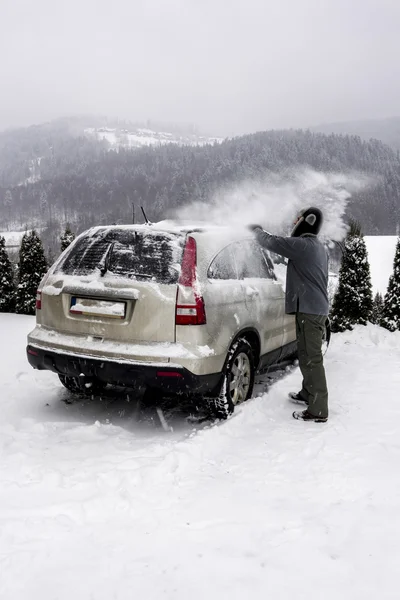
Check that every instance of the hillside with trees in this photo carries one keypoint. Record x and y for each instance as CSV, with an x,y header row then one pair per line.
x,y
82,181
385,130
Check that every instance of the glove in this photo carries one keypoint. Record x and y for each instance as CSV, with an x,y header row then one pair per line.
x,y
253,227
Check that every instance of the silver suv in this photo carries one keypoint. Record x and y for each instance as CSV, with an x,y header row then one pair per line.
x,y
173,308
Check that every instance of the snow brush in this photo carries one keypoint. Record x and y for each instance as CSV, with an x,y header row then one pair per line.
x,y
328,333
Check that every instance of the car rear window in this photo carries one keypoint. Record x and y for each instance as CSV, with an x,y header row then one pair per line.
x,y
144,255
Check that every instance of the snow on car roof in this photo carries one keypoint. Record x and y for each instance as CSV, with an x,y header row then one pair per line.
x,y
188,226
169,226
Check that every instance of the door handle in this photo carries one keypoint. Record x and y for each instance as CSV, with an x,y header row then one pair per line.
x,y
251,292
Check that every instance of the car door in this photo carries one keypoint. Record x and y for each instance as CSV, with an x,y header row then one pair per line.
x,y
289,322
225,299
264,296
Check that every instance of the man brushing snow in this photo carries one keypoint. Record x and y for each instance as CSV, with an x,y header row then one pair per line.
x,y
307,298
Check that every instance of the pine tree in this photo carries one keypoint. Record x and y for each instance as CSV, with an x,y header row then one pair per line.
x,y
31,268
377,309
67,238
352,303
7,287
391,304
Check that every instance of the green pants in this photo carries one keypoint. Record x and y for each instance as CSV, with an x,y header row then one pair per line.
x,y
310,330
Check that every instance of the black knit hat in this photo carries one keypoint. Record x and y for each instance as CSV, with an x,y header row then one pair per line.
x,y
309,221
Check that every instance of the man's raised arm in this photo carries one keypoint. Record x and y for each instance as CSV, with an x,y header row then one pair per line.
x,y
290,247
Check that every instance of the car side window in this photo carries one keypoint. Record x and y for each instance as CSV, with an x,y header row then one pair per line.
x,y
270,261
252,262
223,265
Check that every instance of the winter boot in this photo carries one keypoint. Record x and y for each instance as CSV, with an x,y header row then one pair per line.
x,y
306,416
297,398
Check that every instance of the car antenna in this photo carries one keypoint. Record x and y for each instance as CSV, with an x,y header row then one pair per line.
x,y
145,218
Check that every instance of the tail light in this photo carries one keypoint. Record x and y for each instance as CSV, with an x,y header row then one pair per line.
x,y
169,374
32,351
190,308
38,300
39,291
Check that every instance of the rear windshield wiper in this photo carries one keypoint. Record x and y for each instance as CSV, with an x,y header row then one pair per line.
x,y
105,263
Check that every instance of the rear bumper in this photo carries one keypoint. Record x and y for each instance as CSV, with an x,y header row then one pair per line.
x,y
167,378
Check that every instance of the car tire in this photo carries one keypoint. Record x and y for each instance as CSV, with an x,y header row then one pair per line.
x,y
75,385
238,380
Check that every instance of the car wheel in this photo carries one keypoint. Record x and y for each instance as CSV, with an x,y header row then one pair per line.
x,y
76,386
238,381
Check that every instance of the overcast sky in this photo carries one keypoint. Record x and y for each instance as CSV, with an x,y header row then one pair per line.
x,y
230,66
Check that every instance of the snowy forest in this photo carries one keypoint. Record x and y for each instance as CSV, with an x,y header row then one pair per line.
x,y
53,174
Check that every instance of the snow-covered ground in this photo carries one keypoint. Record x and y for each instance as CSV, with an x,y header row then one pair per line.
x,y
381,249
13,239
140,137
95,504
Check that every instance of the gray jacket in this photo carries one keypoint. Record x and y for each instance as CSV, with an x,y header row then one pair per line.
x,y
307,271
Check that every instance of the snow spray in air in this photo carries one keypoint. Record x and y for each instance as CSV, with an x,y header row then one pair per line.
x,y
274,201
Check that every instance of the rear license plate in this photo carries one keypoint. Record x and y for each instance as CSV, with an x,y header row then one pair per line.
x,y
92,307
